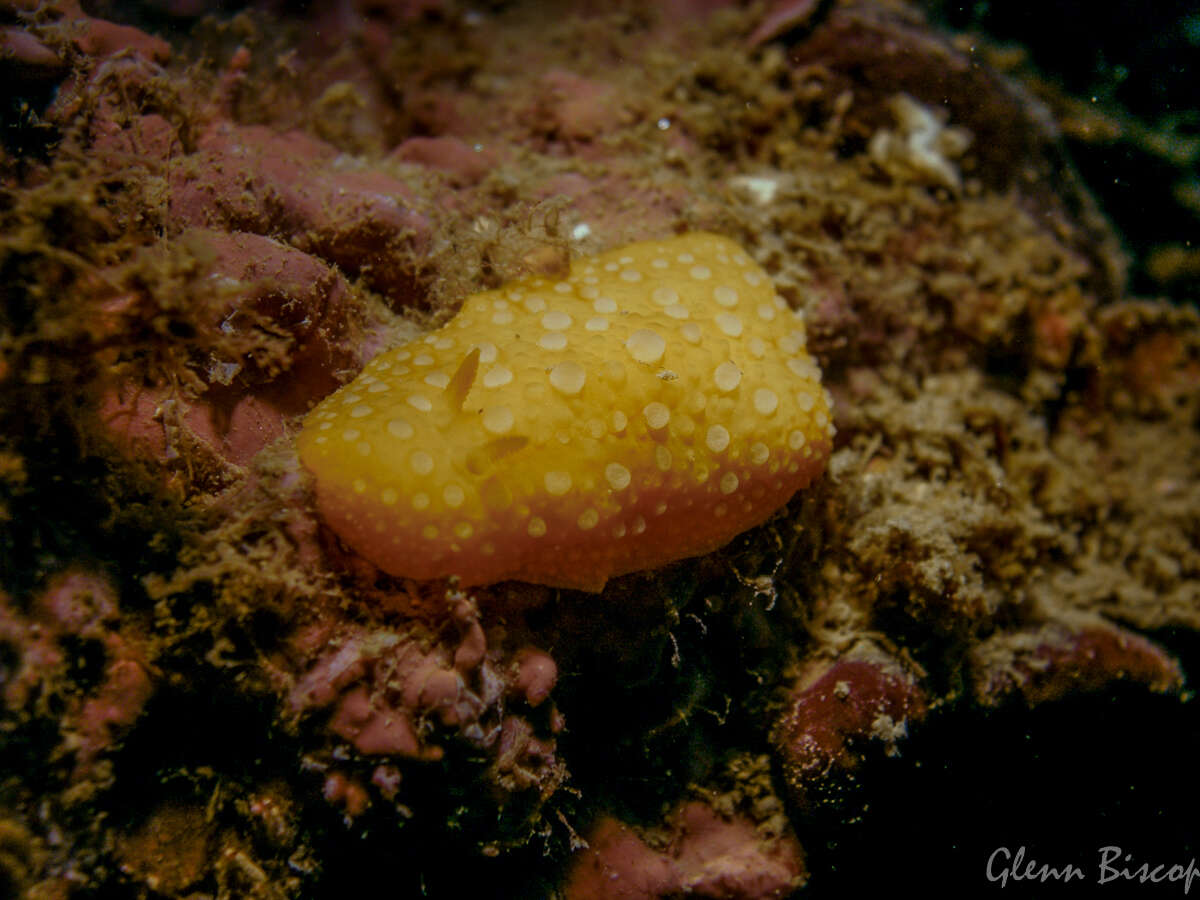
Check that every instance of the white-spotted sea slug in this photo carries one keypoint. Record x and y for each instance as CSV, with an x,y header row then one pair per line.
x,y
650,406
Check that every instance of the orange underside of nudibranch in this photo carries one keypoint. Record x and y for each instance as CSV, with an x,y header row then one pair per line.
x,y
648,407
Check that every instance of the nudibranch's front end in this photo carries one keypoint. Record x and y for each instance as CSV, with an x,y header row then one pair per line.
x,y
648,407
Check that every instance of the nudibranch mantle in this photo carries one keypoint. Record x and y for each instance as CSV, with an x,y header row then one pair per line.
x,y
650,406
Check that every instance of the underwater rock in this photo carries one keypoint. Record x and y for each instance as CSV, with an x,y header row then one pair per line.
x,y
1045,664
401,695
702,854
250,178
268,333
465,165
75,620
835,708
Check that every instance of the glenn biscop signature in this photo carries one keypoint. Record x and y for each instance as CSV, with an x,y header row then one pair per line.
x,y
1113,866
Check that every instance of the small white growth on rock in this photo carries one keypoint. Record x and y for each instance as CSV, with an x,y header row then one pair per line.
x,y
758,189
923,149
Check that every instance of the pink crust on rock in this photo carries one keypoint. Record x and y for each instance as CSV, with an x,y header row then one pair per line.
x,y
99,38
250,178
394,693
383,730
781,17
460,161
536,675
707,856
1054,661
81,605
248,396
837,705
347,793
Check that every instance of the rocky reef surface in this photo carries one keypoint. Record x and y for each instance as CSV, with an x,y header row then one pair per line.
x,y
973,630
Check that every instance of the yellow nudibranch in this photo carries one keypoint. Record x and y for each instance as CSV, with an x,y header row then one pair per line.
x,y
649,406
